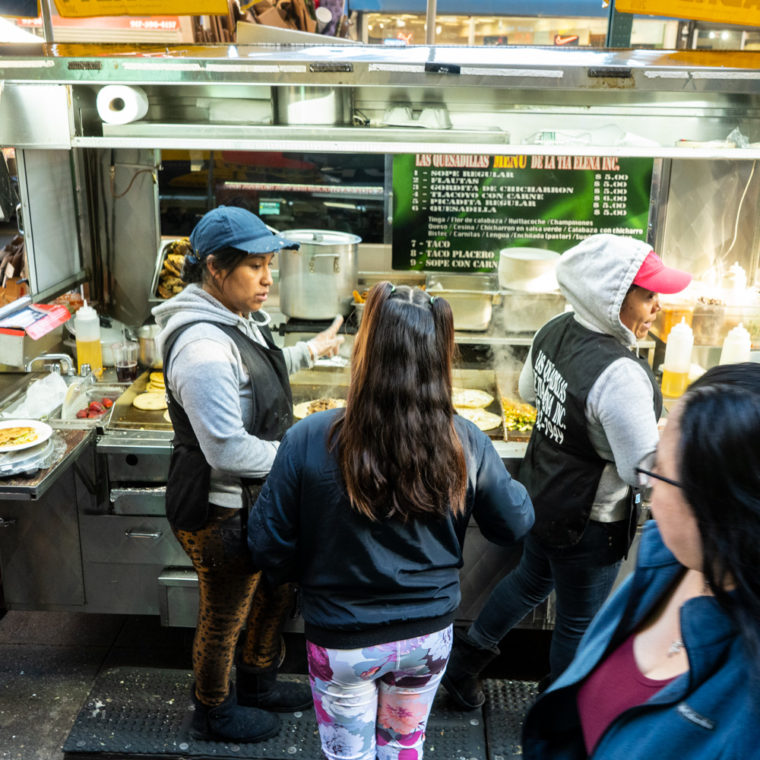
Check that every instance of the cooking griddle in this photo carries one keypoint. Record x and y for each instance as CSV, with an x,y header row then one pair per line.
x,y
483,380
124,416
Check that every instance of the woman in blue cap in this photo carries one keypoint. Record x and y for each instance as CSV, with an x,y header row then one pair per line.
x,y
230,404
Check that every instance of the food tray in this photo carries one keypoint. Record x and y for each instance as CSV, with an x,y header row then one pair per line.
x,y
507,388
163,249
124,416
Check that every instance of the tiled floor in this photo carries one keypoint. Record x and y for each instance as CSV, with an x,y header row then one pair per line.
x,y
49,660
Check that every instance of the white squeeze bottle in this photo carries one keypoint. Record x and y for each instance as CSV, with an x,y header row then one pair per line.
x,y
675,372
736,346
87,328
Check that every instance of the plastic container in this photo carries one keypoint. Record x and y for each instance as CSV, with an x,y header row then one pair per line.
x,y
471,297
670,314
736,347
89,350
675,373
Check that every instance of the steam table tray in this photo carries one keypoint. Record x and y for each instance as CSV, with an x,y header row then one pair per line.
x,y
125,416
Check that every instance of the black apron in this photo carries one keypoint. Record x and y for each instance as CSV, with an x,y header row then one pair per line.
x,y
187,487
561,469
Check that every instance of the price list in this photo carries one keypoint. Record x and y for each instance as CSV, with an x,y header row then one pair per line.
x,y
455,212
611,195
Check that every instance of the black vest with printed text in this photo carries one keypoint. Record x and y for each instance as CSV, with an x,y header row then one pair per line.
x,y
561,469
187,487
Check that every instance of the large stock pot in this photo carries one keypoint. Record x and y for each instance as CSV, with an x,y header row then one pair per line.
x,y
317,281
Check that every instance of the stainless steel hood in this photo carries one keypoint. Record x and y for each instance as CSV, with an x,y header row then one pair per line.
x,y
495,98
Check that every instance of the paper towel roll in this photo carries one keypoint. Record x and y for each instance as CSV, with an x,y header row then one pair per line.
x,y
121,104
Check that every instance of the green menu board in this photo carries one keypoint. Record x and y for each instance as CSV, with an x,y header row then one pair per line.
x,y
455,212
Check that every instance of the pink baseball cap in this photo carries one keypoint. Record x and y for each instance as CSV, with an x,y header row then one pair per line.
x,y
655,276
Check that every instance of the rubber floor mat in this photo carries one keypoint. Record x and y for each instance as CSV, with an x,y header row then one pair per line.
x,y
146,712
507,702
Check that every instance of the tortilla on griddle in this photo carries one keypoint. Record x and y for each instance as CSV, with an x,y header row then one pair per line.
x,y
483,419
150,402
470,398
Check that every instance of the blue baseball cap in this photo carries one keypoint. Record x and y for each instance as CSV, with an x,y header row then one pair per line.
x,y
234,227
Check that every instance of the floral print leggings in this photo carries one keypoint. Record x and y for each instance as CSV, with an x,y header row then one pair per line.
x,y
373,703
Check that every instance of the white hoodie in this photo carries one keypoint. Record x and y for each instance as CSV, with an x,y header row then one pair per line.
x,y
595,276
208,378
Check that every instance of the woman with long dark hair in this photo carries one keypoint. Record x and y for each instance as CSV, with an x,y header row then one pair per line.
x,y
671,665
366,507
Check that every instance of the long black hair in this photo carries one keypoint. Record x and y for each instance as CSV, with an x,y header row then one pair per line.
x,y
719,469
399,453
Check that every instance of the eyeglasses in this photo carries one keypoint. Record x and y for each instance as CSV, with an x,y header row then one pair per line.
x,y
646,474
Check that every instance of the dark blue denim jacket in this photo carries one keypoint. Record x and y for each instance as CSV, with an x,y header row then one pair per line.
x,y
711,712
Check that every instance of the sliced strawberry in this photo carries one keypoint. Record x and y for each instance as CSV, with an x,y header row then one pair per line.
x,y
107,403
82,413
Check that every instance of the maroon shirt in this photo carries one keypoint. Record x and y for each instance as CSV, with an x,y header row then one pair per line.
x,y
613,687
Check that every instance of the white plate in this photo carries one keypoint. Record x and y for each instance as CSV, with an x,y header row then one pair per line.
x,y
43,430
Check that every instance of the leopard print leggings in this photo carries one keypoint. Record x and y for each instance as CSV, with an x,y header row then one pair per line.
x,y
231,596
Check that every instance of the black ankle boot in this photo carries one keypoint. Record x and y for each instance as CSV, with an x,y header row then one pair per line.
x,y
462,677
259,687
230,722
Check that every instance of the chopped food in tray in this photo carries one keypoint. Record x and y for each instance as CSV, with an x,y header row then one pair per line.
x,y
95,409
305,408
517,415
169,281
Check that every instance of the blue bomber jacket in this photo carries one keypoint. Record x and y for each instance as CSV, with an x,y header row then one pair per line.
x,y
365,583
712,712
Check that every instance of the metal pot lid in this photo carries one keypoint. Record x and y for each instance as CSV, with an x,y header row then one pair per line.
x,y
321,237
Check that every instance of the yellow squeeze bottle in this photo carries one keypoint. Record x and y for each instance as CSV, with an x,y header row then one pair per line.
x,y
87,328
675,372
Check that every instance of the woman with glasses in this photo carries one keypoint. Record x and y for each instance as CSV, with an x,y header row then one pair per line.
x,y
670,667
597,404
367,507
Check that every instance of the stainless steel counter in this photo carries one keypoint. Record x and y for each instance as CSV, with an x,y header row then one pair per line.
x,y
34,486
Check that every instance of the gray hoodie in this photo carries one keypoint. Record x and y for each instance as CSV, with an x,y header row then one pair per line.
x,y
595,276
208,378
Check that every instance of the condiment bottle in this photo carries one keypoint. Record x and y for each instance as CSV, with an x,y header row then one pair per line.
x,y
87,328
675,373
736,346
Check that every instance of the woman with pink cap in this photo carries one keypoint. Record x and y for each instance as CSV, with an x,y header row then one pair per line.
x,y
597,408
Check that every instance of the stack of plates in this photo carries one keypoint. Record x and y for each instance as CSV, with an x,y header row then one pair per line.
x,y
26,457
